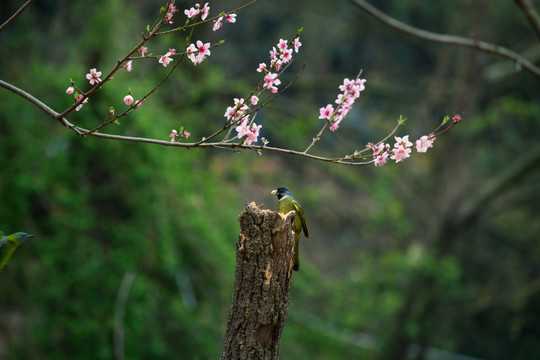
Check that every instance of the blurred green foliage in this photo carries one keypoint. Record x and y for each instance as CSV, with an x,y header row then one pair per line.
x,y
404,261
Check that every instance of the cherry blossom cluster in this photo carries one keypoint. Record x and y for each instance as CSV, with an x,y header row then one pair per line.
x,y
350,92
196,52
196,10
278,57
402,148
93,77
199,51
249,131
171,9
237,114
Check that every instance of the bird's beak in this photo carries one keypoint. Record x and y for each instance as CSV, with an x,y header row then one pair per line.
x,y
274,192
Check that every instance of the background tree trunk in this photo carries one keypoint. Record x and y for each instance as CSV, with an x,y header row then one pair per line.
x,y
260,302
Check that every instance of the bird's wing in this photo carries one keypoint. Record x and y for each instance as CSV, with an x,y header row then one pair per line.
x,y
300,212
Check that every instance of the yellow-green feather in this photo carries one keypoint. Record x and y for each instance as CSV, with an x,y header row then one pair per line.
x,y
300,223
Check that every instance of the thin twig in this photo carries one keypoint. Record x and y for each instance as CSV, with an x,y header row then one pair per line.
x,y
16,15
232,124
449,39
187,26
328,121
117,67
531,15
346,160
131,108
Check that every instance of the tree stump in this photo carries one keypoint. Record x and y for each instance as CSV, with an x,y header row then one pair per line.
x,y
264,260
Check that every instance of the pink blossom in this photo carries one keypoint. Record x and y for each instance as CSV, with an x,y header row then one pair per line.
x,y
243,129
230,18
191,13
128,99
78,97
204,49
217,23
297,44
205,11
341,99
377,149
381,159
273,53
402,141
253,134
127,66
254,100
423,144
173,135
276,64
262,67
271,81
165,59
361,83
326,112
241,104
400,153
282,45
172,51
350,92
231,112
94,76
198,53
143,50
347,85
457,118
286,55
138,103
170,12
111,112
236,111
186,134
334,126
70,90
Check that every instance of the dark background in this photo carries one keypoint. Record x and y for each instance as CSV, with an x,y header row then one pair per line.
x,y
432,258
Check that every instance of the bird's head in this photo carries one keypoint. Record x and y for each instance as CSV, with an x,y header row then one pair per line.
x,y
19,237
282,192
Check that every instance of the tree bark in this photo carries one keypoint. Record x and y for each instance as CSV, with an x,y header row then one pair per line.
x,y
264,259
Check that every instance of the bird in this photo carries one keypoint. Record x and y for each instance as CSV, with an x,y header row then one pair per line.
x,y
8,245
286,203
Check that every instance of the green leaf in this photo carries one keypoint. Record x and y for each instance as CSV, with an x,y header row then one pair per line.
x,y
401,119
445,120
